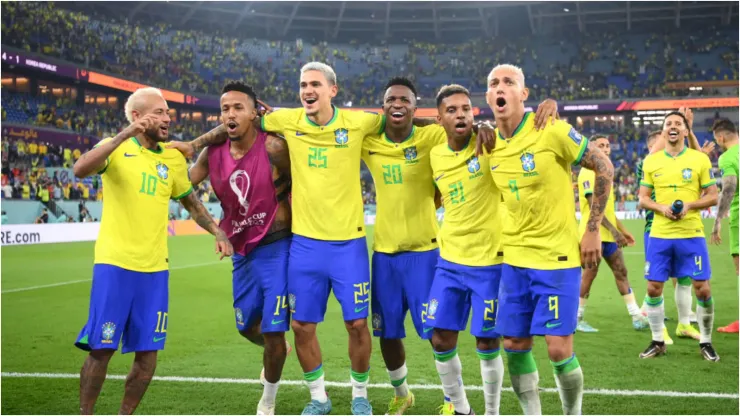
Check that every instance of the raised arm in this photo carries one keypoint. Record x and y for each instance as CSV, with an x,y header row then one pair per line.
x,y
199,171
201,216
95,160
188,149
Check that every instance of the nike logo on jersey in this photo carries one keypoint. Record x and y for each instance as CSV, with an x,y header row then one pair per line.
x,y
298,133
658,174
358,310
371,152
274,322
155,339
439,177
550,325
494,167
128,155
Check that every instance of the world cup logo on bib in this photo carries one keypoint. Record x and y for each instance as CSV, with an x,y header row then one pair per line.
x,y
239,181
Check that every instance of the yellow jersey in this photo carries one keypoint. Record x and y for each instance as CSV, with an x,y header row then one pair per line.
x,y
406,218
586,179
138,185
471,231
682,177
532,169
325,167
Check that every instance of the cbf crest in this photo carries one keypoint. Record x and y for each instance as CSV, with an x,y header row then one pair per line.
x,y
239,316
410,154
528,165
433,304
474,167
376,321
341,137
109,330
686,174
162,171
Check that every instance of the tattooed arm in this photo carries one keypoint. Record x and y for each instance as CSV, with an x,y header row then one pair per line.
x,y
203,218
595,160
729,185
199,171
189,149
277,151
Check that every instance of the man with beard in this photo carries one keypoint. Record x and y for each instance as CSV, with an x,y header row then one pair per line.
x,y
540,279
683,185
250,174
469,267
130,294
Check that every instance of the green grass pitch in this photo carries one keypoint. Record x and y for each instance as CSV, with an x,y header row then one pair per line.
x,y
208,368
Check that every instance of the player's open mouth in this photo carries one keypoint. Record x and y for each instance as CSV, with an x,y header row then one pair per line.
x,y
231,126
500,104
461,127
673,133
397,115
311,100
164,130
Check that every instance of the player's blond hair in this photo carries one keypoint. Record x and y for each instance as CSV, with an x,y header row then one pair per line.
x,y
136,100
518,71
329,74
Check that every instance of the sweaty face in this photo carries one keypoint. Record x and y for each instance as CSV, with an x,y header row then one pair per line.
x,y
237,113
316,92
506,94
154,104
399,106
456,116
675,128
604,145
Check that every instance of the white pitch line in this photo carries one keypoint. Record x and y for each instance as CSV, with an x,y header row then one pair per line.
x,y
71,282
599,392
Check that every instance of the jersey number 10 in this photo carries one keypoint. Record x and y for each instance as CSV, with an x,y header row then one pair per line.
x,y
148,184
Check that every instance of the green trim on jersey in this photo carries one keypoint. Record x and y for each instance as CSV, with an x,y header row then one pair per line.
x,y
333,118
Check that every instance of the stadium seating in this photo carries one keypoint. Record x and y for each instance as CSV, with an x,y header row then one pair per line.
x,y
595,66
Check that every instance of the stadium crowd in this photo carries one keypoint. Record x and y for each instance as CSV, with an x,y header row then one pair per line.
x,y
600,65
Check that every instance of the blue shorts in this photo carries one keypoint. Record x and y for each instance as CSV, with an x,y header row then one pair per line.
x,y
127,304
680,257
260,284
401,282
607,249
455,289
538,302
316,267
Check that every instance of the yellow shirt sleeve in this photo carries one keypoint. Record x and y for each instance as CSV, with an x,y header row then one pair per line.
x,y
706,177
110,158
181,177
370,123
567,143
277,121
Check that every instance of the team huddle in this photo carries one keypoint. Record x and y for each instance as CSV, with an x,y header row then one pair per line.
x,y
509,248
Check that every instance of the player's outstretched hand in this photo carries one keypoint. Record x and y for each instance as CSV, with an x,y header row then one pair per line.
x,y
486,138
708,147
143,124
590,249
547,110
186,148
267,108
689,116
223,246
716,238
